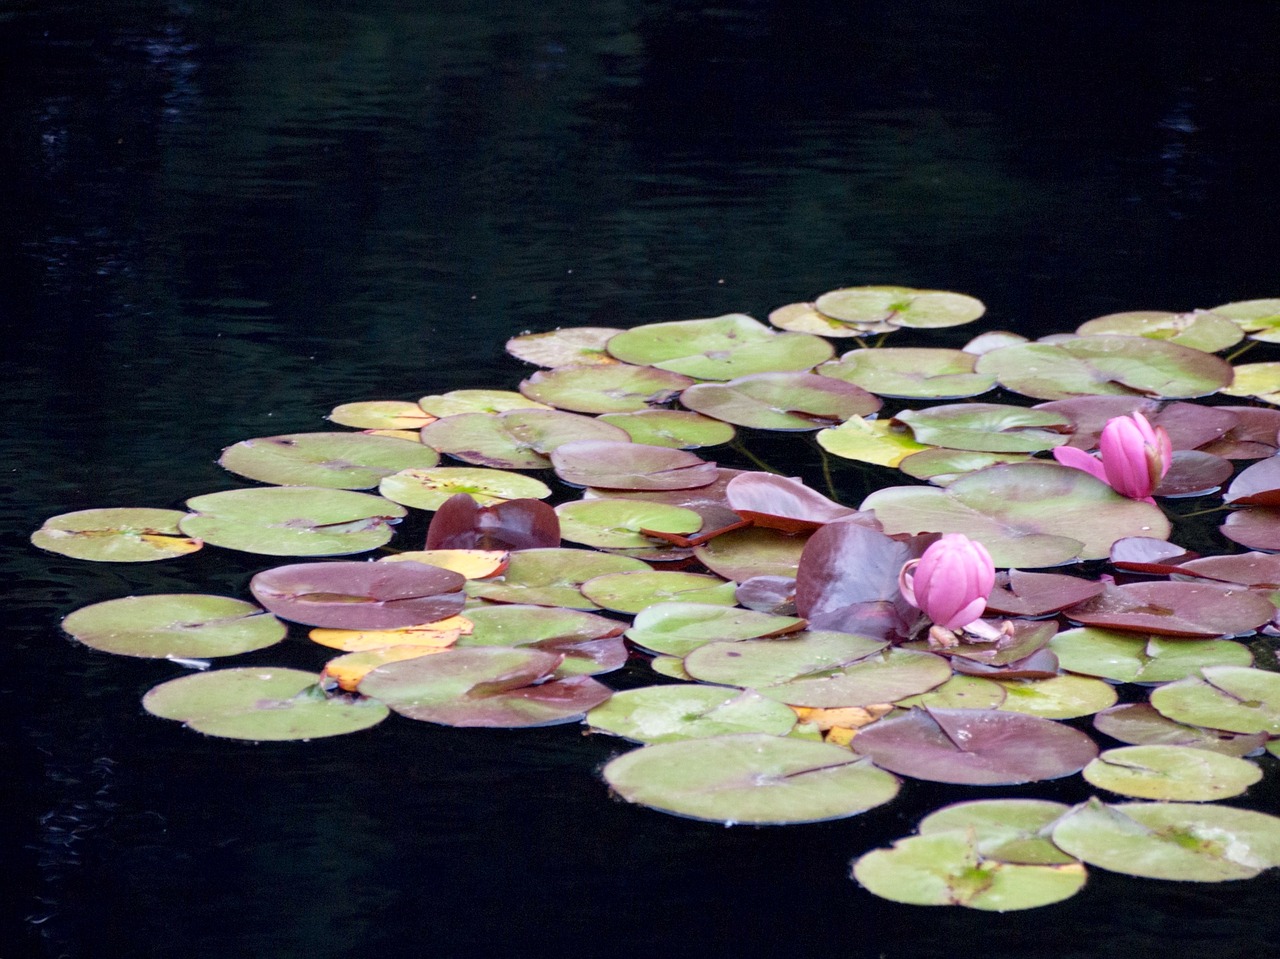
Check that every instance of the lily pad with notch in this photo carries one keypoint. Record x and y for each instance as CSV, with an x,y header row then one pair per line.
x,y
116,535
174,625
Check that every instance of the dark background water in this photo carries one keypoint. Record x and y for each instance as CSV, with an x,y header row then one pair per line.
x,y
220,219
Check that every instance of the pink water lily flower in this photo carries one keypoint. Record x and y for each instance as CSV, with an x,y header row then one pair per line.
x,y
1133,456
950,582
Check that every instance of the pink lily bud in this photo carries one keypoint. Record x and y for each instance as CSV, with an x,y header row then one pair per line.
x,y
950,582
1135,456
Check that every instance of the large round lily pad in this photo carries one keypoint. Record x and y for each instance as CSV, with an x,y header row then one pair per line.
x,y
116,535
1200,329
975,747
329,460
360,595
750,778
484,686
617,523
946,869
1183,841
662,714
678,628
174,625
1058,697
911,372
747,553
1025,514
1177,773
1140,724
781,401
678,429
630,592
292,521
900,306
476,401
590,644
261,703
987,427
719,348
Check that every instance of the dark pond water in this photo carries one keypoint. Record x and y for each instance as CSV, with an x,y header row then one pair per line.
x,y
220,219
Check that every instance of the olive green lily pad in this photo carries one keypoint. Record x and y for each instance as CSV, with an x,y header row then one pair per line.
x,y
1260,318
672,667
1175,773
180,625
823,669
429,488
1200,329
662,714
945,869
1180,841
1027,515
1130,658
959,692
781,401
484,686
877,441
678,429
571,346
754,551
477,401
1141,725
116,535
381,415
1106,365
551,577
1238,699
630,592
1261,380
329,460
912,372
805,318
719,348
292,520
1008,830
942,467
590,644
261,703
678,628
616,523
900,306
516,439
750,778
987,427
611,388
1062,697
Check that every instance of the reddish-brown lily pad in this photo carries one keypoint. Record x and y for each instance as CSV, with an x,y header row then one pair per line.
x,y
1036,594
354,595
1196,610
780,502
630,466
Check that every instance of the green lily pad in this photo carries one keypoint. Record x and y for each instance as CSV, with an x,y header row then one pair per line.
x,y
1062,697
1238,699
719,348
261,703
428,489
329,460
1008,830
754,551
381,415
292,520
1027,515
987,427
167,626
1200,329
662,714
672,667
1257,379
616,523
781,401
805,318
609,388
878,442
942,467
551,577
678,628
484,686
477,401
823,669
630,592
1106,365
677,429
1176,773
1181,841
571,346
116,535
900,306
1141,725
590,644
1130,658
1261,318
911,372
959,692
946,869
516,439
750,778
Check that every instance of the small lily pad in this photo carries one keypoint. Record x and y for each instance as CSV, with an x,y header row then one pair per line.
x,y
1062,697
175,625
571,346
329,460
116,535
900,306
1007,830
630,592
381,415
612,388
677,429
911,372
429,488
876,441
1177,773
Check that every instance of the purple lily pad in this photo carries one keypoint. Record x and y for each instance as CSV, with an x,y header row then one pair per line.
x,y
785,503
630,466
354,595
1257,527
462,523
768,594
1258,485
1142,554
1036,594
1194,473
975,747
1195,610
1248,569
746,553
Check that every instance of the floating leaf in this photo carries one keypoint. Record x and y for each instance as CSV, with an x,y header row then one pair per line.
x,y
517,439
360,595
959,692
616,388
477,401
347,670
1007,830
678,628
1035,594
748,553
661,714
571,346
328,460
471,563
900,306
805,318
1141,724
186,625
381,415
428,489
630,592
784,503
462,523
116,535
1239,699
943,467
911,373
750,778
1179,773
292,521
261,703
676,429
630,466
1196,609
590,644
1200,329
1143,658
876,442
617,523
551,577
975,747
781,401
987,427
1062,697
1261,380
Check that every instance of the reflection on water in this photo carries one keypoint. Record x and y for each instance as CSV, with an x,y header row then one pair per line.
x,y
225,218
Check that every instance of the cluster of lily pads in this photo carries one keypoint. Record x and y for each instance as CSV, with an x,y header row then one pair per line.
x,y
794,682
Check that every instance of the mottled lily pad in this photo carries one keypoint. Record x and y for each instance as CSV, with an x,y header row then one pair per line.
x,y
1176,773
552,577
329,460
911,372
987,427
617,523
571,346
750,778
1200,329
381,415
1141,725
747,553
677,429
941,467
805,318
428,489
781,401
630,592
878,442
1142,658
590,644
292,521
261,703
1061,697
661,714
614,388
516,439
1197,610
1008,830
1239,699
900,306
116,535
477,401
178,625
630,466
1261,380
